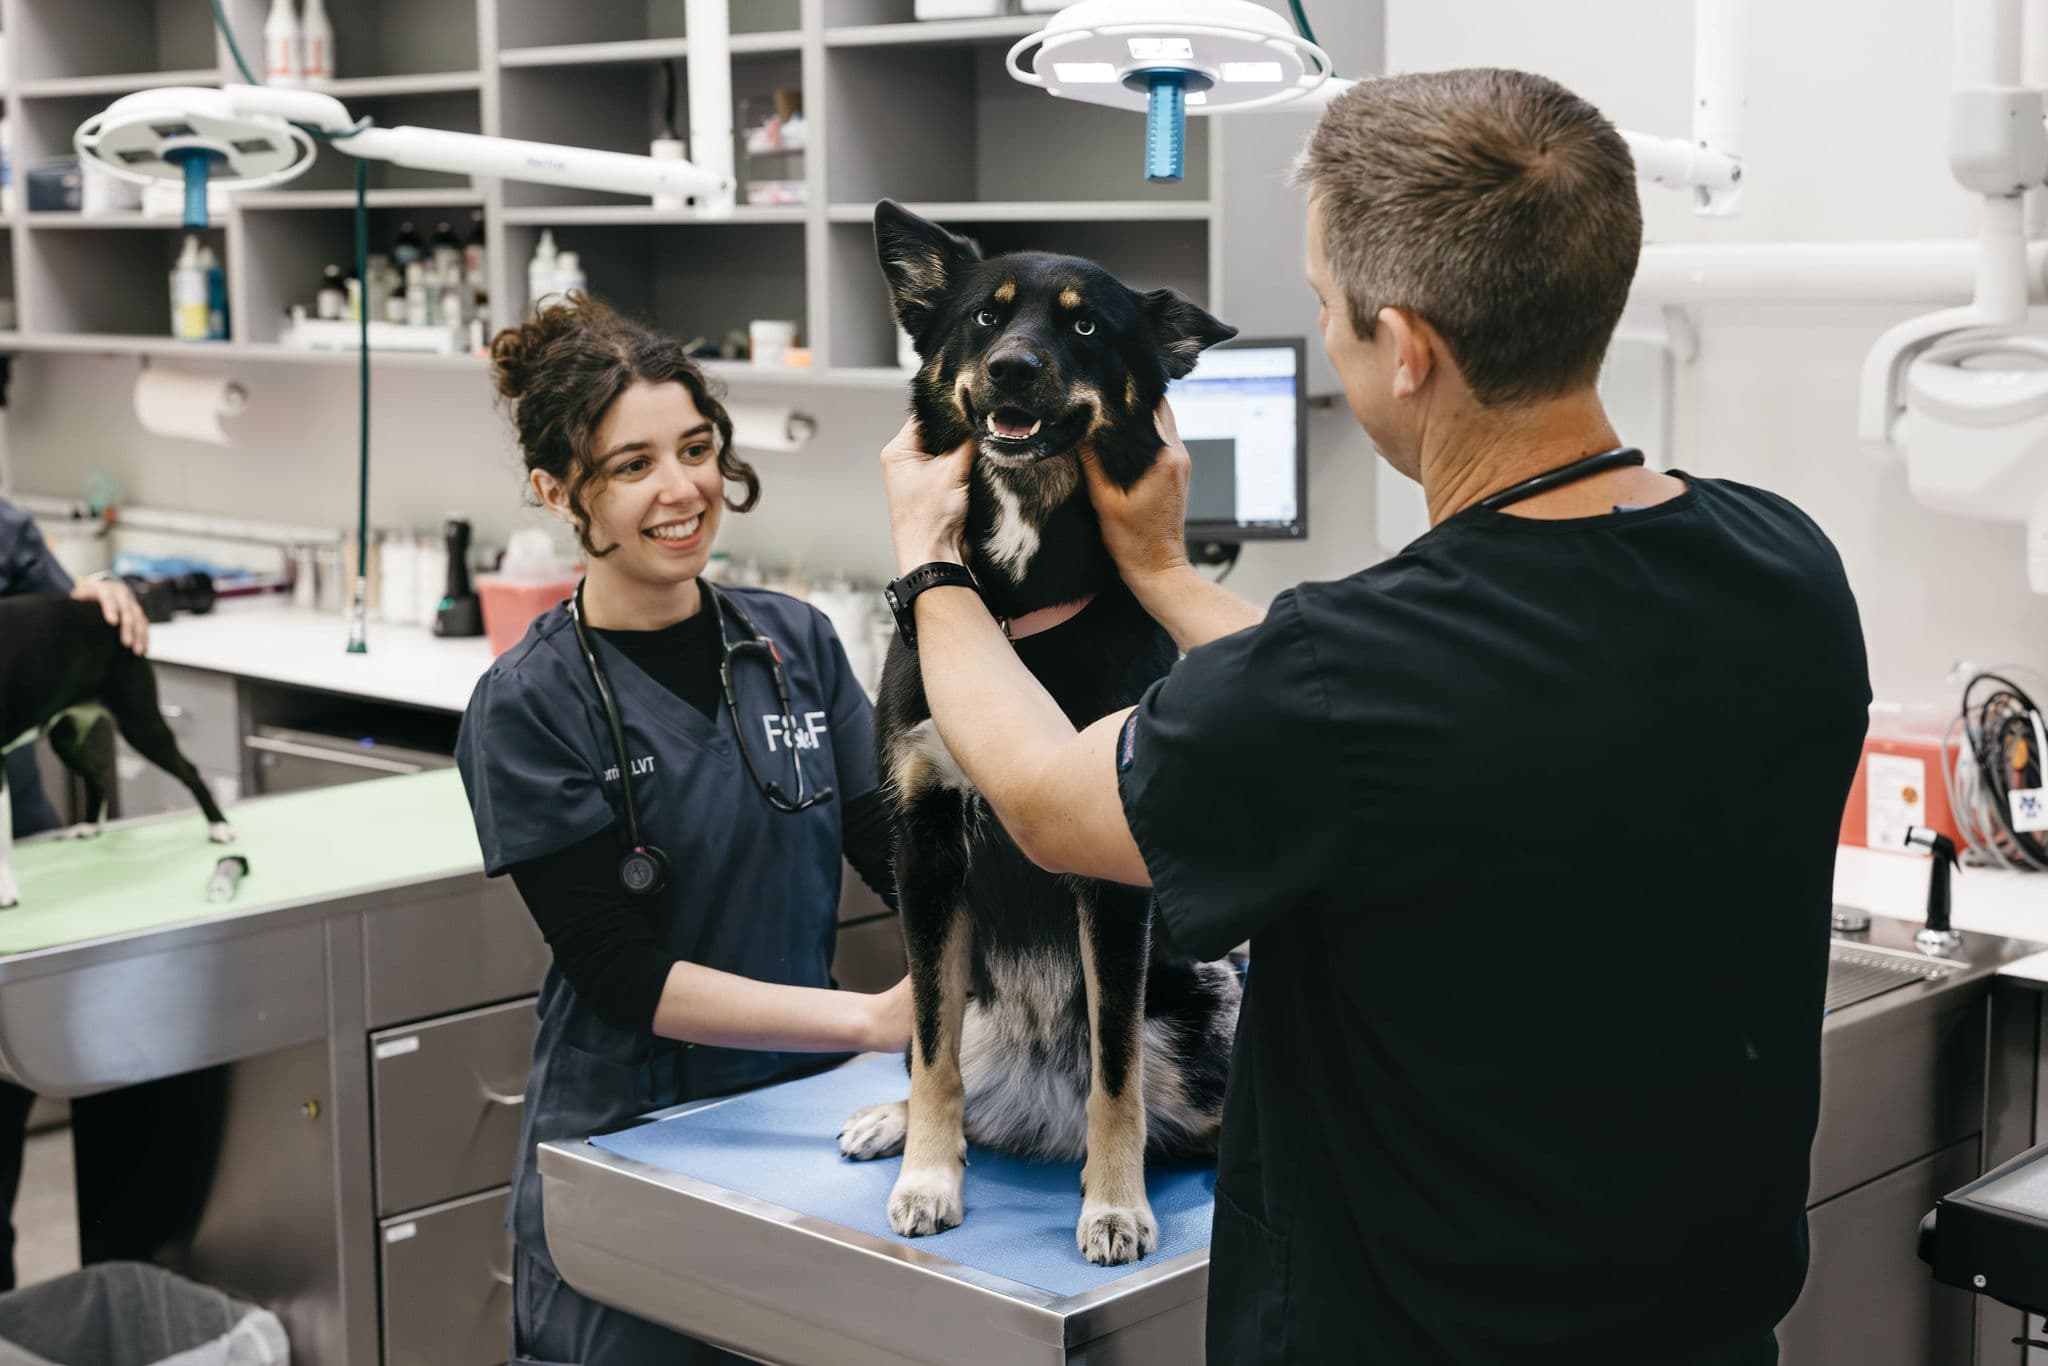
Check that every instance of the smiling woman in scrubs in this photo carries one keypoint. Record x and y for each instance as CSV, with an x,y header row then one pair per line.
x,y
717,978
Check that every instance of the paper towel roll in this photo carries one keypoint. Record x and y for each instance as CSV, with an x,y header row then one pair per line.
x,y
188,406
759,427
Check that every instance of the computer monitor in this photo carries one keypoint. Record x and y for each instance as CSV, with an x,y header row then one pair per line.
x,y
1243,415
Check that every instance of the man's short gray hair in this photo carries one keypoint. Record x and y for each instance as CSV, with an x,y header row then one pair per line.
x,y
1495,205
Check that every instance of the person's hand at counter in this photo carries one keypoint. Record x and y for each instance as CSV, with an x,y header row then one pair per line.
x,y
121,608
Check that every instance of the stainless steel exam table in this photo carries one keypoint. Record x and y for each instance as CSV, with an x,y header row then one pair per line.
x,y
737,1221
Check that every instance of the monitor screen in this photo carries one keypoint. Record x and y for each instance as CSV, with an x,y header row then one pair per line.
x,y
1242,413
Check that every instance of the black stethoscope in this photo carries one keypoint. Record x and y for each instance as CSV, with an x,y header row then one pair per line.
x,y
1583,468
643,869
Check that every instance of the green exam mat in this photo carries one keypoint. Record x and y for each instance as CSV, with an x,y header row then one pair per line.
x,y
303,846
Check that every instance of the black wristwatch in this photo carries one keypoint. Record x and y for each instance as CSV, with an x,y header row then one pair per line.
x,y
902,594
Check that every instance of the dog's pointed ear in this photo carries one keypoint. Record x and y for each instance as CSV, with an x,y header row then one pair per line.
x,y
920,260
1182,330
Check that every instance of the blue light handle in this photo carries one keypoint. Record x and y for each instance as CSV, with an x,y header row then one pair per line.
x,y
194,163
1166,127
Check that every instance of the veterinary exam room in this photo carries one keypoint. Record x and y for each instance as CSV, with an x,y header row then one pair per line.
x,y
1234,681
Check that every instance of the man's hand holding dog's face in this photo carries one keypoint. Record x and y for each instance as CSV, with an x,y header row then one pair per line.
x,y
121,608
1145,525
927,498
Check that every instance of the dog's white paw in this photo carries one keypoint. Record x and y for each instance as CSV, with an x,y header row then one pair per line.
x,y
1110,1235
925,1201
10,890
84,830
220,832
876,1131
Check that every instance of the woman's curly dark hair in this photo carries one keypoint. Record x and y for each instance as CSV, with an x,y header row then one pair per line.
x,y
559,374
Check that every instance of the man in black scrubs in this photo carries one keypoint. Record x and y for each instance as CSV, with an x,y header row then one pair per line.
x,y
1531,827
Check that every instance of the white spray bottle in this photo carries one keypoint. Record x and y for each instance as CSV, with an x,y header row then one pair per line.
x,y
284,60
316,42
540,271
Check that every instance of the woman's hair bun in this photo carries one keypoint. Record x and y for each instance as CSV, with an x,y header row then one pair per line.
x,y
517,352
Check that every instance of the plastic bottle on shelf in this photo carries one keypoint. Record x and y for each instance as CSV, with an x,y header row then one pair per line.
x,y
216,294
445,247
332,300
6,169
476,274
569,273
408,248
316,42
283,51
188,293
418,308
540,271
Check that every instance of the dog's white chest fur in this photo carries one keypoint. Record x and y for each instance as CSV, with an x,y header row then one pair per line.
x,y
1013,540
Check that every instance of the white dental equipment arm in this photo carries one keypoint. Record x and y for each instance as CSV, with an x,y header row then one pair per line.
x,y
1173,58
1998,148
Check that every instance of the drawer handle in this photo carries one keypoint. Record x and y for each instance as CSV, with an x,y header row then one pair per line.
x,y
501,1277
508,1099
341,757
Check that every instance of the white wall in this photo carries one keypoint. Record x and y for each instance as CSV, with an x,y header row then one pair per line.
x,y
1846,140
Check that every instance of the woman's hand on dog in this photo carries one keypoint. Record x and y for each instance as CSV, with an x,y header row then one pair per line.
x,y
889,1030
927,498
1145,525
121,608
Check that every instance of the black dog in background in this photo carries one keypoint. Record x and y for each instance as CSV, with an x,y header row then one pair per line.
x,y
64,672
1051,1018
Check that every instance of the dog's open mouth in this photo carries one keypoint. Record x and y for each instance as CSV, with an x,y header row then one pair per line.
x,y
1013,425
1011,434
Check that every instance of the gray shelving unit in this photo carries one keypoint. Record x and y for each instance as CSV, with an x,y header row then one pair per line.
x,y
918,111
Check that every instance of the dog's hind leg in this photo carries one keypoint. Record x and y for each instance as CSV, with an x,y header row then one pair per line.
x,y
72,738
931,866
130,694
1116,1217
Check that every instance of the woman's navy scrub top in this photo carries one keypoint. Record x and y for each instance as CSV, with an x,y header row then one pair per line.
x,y
751,890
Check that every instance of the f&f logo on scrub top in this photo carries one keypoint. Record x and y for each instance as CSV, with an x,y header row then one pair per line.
x,y
806,734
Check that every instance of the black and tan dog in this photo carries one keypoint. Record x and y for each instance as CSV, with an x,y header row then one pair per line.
x,y
1052,1017
65,673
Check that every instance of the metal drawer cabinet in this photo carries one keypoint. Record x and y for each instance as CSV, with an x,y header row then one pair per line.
x,y
447,1103
448,1284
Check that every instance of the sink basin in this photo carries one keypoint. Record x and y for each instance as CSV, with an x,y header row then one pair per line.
x,y
1858,973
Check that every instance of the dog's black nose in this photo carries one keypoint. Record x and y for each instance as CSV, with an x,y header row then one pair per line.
x,y
1015,367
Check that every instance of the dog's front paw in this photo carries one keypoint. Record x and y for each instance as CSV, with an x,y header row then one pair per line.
x,y
220,832
876,1131
1110,1235
84,830
925,1202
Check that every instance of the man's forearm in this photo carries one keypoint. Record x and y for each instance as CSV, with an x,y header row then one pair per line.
x,y
996,718
1194,609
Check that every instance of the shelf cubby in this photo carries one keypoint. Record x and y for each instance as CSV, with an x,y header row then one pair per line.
x,y
142,40
692,280
373,38
115,283
549,23
618,108
286,249
944,122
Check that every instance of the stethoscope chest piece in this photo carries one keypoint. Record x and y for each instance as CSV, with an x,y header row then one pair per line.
x,y
643,870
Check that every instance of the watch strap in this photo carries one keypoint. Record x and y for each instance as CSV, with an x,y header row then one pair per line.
x,y
902,594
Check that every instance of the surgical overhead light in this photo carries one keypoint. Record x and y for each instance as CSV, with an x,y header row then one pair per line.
x,y
1172,58
251,136
1163,56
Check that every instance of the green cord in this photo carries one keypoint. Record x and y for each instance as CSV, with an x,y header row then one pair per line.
x,y
1300,20
356,643
220,21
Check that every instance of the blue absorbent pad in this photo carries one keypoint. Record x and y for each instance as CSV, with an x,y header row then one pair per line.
x,y
780,1144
